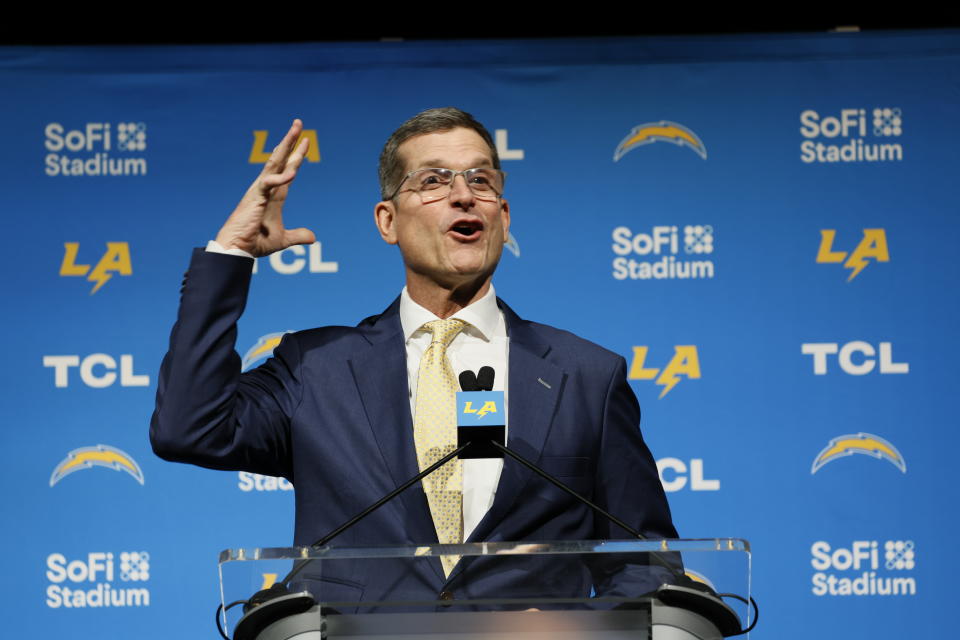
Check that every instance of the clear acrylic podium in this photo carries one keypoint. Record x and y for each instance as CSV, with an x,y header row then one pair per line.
x,y
499,591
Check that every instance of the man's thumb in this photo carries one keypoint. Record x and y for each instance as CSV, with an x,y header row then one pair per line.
x,y
299,236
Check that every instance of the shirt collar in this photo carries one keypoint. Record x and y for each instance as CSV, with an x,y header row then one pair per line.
x,y
482,316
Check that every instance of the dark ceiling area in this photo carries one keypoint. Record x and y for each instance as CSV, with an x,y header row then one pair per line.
x,y
159,30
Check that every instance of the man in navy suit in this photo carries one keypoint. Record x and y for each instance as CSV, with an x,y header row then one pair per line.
x,y
332,411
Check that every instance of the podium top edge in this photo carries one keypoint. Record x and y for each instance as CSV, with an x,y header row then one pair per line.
x,y
334,552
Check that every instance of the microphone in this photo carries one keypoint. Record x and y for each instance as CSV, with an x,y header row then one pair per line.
x,y
485,379
480,422
468,381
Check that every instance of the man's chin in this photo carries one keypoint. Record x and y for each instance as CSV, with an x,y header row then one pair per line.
x,y
469,269
471,263
469,276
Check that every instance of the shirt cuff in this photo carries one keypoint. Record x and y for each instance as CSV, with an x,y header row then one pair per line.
x,y
215,247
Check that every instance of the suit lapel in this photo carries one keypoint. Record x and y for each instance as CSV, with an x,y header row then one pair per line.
x,y
381,377
535,387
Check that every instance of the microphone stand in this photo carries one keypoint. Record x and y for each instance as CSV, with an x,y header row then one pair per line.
x,y
268,605
376,505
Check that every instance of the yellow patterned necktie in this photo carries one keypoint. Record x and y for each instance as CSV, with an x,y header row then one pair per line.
x,y
435,435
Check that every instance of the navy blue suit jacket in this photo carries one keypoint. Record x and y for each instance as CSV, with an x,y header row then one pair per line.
x,y
330,412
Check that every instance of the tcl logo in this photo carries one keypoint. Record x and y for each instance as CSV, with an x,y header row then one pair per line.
x,y
855,358
98,370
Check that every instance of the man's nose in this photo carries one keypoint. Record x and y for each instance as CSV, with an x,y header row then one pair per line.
x,y
460,193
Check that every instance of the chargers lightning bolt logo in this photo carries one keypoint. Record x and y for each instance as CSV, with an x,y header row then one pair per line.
x,y
862,443
512,245
98,456
663,131
263,349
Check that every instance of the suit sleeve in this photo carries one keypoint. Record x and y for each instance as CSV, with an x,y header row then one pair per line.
x,y
628,486
207,413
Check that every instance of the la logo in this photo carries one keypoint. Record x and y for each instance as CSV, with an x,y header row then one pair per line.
x,y
488,407
685,362
873,245
259,153
116,259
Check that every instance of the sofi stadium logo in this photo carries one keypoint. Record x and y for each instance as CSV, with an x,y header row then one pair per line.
x,y
95,149
98,580
254,482
851,135
664,252
864,568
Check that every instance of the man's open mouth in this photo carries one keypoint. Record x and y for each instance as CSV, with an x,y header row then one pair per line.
x,y
467,228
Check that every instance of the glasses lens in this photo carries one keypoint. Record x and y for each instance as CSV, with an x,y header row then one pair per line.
x,y
431,179
435,183
484,182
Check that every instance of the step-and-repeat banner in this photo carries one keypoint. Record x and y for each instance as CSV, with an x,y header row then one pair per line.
x,y
763,226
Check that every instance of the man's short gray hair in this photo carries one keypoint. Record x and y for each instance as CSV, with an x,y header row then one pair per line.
x,y
392,167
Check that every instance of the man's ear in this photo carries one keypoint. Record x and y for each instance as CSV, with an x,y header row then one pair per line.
x,y
385,217
505,219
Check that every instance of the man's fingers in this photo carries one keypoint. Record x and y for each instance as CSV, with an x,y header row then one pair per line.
x,y
278,159
299,236
296,158
276,180
271,180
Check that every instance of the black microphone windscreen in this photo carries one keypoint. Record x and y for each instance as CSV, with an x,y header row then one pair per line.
x,y
485,379
468,381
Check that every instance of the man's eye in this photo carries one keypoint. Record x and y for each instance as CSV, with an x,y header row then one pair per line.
x,y
432,181
482,181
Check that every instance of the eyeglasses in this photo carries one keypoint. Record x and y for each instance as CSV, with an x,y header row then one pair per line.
x,y
435,183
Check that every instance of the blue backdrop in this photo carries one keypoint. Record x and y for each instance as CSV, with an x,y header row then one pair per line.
x,y
753,222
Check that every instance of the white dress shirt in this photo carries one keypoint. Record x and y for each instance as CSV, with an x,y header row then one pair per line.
x,y
482,343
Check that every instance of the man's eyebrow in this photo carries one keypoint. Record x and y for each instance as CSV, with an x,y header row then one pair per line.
x,y
434,163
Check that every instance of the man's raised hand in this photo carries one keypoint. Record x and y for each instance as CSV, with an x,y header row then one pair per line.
x,y
256,225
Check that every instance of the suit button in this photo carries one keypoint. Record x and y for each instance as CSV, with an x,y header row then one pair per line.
x,y
446,595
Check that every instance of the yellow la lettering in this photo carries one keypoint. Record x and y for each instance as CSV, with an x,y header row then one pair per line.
x,y
488,407
826,252
637,371
873,245
684,362
116,258
259,154
468,407
69,267
313,151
